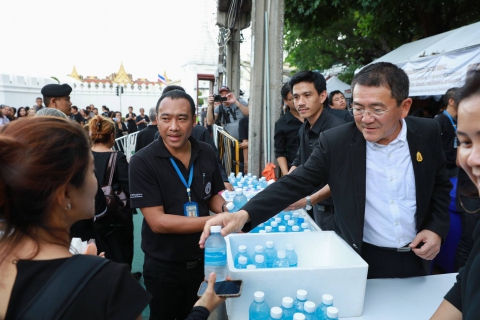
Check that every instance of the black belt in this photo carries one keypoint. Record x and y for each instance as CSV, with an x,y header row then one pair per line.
x,y
406,248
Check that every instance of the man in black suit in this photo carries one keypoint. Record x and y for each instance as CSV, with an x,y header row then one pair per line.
x,y
387,177
147,136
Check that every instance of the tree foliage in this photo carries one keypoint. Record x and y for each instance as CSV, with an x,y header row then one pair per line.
x,y
321,33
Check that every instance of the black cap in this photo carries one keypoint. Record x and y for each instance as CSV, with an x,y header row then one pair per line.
x,y
56,90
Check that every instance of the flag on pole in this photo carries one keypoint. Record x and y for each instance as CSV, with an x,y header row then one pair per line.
x,y
162,79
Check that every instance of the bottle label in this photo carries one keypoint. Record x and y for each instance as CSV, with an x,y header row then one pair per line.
x,y
215,256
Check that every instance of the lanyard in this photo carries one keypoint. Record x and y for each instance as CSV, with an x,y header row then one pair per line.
x,y
451,120
190,177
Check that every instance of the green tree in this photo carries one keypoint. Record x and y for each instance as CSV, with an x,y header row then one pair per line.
x,y
320,33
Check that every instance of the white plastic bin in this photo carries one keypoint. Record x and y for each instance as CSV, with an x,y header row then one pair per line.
x,y
326,264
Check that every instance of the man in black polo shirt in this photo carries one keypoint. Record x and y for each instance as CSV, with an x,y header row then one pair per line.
x,y
147,136
159,177
309,94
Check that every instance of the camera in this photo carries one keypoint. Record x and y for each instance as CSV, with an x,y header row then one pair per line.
x,y
219,98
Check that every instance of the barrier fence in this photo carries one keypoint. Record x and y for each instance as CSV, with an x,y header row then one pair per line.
x,y
126,144
228,148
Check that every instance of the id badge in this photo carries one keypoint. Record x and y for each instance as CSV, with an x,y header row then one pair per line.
x,y
190,209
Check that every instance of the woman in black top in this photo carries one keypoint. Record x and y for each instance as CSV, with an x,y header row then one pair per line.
x,y
116,239
120,127
48,182
462,301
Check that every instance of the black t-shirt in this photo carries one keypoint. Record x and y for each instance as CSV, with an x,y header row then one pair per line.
x,y
154,182
111,294
142,126
243,129
448,139
131,125
145,137
286,137
120,175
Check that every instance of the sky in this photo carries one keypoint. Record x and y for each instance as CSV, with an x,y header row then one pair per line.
x,y
49,37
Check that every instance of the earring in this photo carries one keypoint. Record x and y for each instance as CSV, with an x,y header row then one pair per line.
x,y
69,206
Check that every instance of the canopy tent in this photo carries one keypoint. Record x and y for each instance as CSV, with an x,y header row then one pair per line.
x,y
440,62
336,84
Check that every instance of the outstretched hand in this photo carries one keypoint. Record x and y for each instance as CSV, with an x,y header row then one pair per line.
x,y
210,300
230,222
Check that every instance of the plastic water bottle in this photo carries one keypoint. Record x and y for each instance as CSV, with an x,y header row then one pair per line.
x,y
241,263
281,261
276,313
255,181
286,218
268,229
242,252
239,200
290,224
259,309
300,301
288,309
258,228
304,224
270,253
309,310
327,301
251,267
260,261
295,229
282,229
249,174
291,255
216,254
295,216
278,220
298,316
231,207
300,221
258,251
232,180
332,313
274,226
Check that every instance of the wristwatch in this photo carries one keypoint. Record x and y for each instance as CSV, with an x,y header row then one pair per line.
x,y
309,203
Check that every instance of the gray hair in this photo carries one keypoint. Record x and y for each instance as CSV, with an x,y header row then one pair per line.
x,y
152,114
51,112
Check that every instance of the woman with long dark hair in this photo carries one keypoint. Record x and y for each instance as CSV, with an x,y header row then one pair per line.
x,y
21,112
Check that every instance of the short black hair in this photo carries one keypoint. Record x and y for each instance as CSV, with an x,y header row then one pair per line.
x,y
172,87
450,94
384,74
309,76
286,89
46,100
177,94
75,107
470,88
332,94
38,98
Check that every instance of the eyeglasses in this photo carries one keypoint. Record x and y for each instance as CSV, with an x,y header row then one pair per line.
x,y
376,113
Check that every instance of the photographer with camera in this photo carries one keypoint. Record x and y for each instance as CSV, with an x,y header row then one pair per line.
x,y
228,113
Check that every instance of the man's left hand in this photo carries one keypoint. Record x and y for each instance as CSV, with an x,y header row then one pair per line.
x,y
431,246
231,98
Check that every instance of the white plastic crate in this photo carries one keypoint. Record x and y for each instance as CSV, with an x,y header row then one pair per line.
x,y
326,264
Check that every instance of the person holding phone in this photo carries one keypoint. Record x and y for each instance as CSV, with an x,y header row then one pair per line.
x,y
131,118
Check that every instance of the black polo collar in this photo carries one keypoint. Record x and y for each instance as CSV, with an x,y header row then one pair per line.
x,y
318,125
290,117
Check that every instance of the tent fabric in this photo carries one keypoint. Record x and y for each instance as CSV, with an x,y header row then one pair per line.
x,y
440,62
336,84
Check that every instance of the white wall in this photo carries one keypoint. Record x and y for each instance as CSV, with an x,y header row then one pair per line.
x,y
21,91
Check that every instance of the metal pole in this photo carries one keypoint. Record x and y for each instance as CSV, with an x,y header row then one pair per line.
x,y
267,90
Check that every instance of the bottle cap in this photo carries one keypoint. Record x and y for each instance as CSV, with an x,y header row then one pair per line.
x,y
290,247
286,217
258,249
307,230
281,254
295,228
230,206
332,312
282,228
276,313
239,185
309,307
305,225
302,294
296,214
291,223
259,296
287,302
255,177
269,244
249,174
327,299
215,228
242,248
263,231
238,191
232,174
259,258
242,260
251,266
274,224
268,229
298,316
278,219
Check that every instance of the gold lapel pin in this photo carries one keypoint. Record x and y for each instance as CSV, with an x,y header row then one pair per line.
x,y
419,157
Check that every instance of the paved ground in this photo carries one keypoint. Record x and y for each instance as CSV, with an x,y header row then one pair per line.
x,y
138,259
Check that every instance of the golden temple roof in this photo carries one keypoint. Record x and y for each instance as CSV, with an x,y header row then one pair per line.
x,y
75,74
122,77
